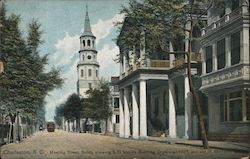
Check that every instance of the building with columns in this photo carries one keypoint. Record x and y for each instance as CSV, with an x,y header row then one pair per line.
x,y
225,70
154,91
87,66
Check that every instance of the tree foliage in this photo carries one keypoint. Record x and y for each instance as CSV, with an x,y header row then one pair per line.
x,y
97,106
162,21
28,82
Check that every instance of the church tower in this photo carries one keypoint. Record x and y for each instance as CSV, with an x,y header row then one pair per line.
x,y
87,66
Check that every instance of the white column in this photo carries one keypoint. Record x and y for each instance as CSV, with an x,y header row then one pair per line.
x,y
135,112
228,50
188,109
143,110
214,49
124,63
126,114
244,52
121,67
171,56
172,114
203,59
121,115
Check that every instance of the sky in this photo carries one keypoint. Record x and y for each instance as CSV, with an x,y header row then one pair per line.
x,y
62,23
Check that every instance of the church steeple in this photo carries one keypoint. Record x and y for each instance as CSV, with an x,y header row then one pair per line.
x,y
87,66
87,28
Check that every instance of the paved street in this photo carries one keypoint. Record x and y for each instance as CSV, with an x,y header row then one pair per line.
x,y
66,145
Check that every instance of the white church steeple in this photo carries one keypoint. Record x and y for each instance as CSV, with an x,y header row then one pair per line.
x,y
87,67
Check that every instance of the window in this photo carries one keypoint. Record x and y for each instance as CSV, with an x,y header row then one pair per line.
x,y
90,72
83,57
164,101
117,119
234,106
81,73
235,48
83,43
221,54
116,102
235,4
90,85
96,73
93,43
156,106
222,8
88,42
209,59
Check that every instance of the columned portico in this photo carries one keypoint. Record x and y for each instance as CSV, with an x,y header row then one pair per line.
x,y
143,110
135,111
188,109
121,115
126,114
172,113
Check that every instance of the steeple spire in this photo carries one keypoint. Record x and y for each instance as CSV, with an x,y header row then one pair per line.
x,y
87,28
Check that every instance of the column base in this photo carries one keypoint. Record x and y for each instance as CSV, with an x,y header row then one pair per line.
x,y
126,136
121,135
186,137
135,137
143,137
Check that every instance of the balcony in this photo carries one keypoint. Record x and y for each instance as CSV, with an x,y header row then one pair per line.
x,y
194,57
150,64
230,76
223,21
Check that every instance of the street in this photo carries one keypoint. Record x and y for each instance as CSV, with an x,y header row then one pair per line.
x,y
60,144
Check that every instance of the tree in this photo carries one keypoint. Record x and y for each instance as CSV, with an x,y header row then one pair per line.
x,y
28,81
96,106
59,115
74,108
166,21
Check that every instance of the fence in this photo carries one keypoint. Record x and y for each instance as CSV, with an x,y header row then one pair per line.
x,y
12,131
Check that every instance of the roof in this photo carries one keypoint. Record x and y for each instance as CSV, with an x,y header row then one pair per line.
x,y
87,28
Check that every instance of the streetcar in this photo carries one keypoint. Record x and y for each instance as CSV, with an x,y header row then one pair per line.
x,y
51,126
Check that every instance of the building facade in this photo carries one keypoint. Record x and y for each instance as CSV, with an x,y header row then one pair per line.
x,y
225,70
113,123
154,92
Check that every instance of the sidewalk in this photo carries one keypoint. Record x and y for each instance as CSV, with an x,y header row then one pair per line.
x,y
222,145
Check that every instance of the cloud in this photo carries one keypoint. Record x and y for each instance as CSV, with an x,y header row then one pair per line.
x,y
103,27
66,49
66,58
59,96
106,57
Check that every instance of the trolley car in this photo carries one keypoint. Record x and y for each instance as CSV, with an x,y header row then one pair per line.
x,y
50,126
